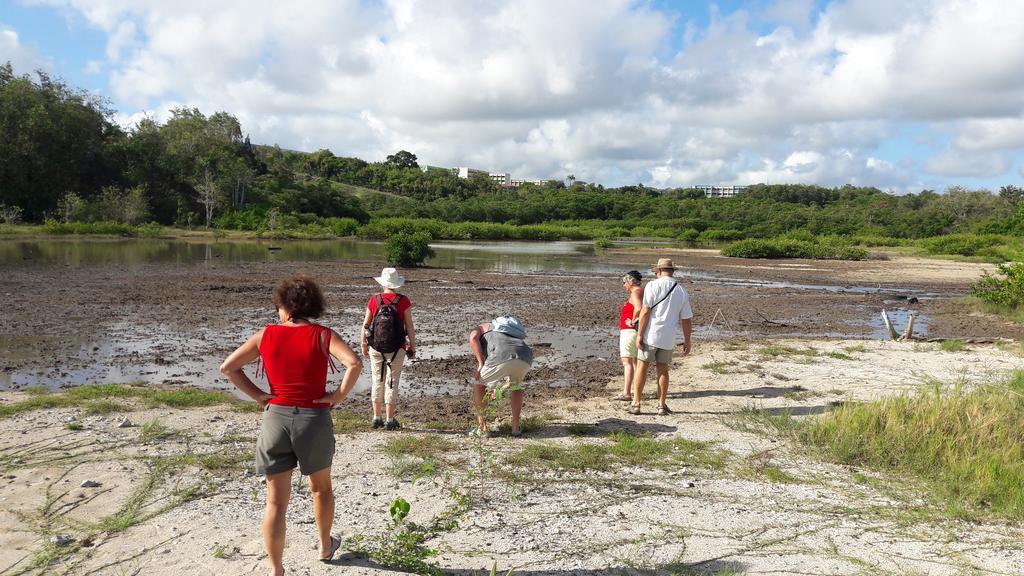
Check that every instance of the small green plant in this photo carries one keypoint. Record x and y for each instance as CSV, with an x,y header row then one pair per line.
x,y
721,367
219,551
415,456
73,426
1004,289
953,345
603,243
154,430
405,249
346,422
777,351
403,545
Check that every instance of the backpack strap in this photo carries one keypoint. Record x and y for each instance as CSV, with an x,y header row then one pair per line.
x,y
669,293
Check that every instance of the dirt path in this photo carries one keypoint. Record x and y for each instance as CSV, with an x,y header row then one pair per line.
x,y
747,503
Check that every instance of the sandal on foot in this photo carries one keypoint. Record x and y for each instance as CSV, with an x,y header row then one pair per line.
x,y
335,544
624,398
664,410
633,409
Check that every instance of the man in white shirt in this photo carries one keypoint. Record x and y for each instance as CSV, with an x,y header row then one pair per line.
x,y
666,307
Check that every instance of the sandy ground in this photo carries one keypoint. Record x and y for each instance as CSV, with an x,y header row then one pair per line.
x,y
633,520
171,325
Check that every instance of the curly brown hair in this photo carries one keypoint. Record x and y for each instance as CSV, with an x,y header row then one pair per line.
x,y
300,296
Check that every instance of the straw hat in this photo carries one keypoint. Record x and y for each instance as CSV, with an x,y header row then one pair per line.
x,y
390,278
663,264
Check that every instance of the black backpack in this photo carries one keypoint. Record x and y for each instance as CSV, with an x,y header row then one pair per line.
x,y
386,332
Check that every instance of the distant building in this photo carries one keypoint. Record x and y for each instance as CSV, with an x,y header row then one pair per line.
x,y
502,178
466,172
720,191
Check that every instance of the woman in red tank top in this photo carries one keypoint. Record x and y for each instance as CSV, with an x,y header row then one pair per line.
x,y
627,330
296,428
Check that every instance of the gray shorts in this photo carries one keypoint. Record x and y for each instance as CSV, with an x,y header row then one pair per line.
x,y
290,436
514,371
657,355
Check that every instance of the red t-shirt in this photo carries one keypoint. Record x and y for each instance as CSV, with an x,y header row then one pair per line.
x,y
626,314
389,298
295,363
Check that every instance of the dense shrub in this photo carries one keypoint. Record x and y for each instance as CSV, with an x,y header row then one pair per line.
x,y
388,227
342,226
408,249
113,228
783,248
150,230
688,235
719,235
249,219
1005,289
961,244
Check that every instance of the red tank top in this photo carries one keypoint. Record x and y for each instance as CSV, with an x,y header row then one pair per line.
x,y
295,363
626,314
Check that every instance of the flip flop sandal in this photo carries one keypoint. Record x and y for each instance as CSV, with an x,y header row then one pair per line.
x,y
335,544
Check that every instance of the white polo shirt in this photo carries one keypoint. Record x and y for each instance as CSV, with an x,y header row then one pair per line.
x,y
663,323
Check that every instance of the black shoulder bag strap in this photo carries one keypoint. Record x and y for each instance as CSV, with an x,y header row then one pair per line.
x,y
669,293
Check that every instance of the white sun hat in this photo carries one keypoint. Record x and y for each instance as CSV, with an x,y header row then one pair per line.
x,y
390,278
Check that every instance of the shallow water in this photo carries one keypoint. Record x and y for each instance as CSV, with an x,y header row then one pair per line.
x,y
125,352
513,257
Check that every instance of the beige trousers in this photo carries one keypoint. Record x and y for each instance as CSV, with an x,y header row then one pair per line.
x,y
385,381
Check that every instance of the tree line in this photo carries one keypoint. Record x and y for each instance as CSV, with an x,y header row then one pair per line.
x,y
64,158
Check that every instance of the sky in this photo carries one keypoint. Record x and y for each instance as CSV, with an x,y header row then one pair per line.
x,y
904,95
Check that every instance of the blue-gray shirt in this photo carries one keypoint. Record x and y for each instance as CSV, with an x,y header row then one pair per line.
x,y
500,348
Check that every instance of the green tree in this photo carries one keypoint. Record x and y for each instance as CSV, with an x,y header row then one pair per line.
x,y
402,159
408,249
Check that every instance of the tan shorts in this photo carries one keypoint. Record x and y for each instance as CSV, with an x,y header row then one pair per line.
x,y
627,343
657,355
384,382
514,370
290,435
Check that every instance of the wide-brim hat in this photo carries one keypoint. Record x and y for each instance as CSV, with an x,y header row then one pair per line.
x,y
663,264
390,278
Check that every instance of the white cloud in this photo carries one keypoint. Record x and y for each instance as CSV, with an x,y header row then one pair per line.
x,y
593,88
959,164
991,134
23,59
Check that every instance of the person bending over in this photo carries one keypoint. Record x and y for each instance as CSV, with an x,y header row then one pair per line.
x,y
502,355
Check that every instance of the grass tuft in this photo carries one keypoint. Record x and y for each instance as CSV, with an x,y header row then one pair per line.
x,y
619,449
154,430
964,444
346,422
953,345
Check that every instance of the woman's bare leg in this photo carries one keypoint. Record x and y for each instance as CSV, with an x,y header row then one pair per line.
x,y
279,491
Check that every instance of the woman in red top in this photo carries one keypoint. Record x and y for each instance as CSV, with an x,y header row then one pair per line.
x,y
296,428
386,367
627,330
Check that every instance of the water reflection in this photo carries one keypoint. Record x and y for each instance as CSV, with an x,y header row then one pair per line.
x,y
514,257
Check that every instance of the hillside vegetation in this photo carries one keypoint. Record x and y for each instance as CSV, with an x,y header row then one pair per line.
x,y
65,162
